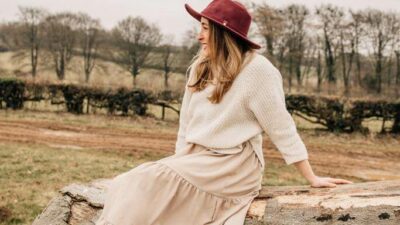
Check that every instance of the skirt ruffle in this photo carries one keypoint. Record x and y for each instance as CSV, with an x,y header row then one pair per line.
x,y
197,187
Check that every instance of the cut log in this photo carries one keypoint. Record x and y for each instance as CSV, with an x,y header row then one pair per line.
x,y
360,203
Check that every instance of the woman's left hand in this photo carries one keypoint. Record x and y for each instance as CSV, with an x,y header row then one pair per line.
x,y
321,182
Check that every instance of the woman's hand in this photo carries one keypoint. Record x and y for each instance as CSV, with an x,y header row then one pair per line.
x,y
321,182
305,168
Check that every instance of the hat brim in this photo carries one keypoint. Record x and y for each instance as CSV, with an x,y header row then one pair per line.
x,y
198,16
193,12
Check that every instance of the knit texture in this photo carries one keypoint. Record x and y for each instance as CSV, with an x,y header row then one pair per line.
x,y
254,104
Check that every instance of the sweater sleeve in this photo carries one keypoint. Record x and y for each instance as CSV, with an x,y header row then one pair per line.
x,y
181,142
183,120
267,102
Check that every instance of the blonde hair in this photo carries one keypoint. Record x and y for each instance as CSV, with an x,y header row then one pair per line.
x,y
226,58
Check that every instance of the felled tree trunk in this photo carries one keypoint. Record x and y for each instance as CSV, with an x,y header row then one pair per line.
x,y
361,203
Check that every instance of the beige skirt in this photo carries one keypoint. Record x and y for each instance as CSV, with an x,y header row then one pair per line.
x,y
196,186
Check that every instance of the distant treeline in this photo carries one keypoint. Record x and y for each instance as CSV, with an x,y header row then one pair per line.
x,y
336,114
359,48
332,46
52,40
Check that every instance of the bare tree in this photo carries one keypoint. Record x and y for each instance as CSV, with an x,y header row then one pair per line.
x,y
135,39
397,56
269,22
61,37
190,47
190,43
10,35
330,17
347,52
380,32
319,66
358,30
295,35
309,57
32,34
394,50
168,58
88,41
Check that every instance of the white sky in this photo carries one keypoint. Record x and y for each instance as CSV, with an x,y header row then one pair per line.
x,y
170,15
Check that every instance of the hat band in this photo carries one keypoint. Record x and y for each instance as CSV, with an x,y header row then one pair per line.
x,y
225,23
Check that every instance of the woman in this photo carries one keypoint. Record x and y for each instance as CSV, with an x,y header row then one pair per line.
x,y
232,96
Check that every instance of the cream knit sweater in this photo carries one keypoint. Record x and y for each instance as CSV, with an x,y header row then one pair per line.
x,y
254,104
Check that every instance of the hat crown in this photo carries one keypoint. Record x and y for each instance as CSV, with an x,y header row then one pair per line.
x,y
229,13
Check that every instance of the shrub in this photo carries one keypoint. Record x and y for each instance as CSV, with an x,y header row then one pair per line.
x,y
12,93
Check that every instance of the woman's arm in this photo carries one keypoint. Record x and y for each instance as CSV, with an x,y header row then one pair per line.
x,y
267,102
183,120
315,181
180,141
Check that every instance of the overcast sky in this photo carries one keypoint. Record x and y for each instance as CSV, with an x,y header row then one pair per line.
x,y
170,15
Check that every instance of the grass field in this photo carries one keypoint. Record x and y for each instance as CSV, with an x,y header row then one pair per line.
x,y
105,74
30,175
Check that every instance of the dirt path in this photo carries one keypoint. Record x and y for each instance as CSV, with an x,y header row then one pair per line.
x,y
329,156
83,136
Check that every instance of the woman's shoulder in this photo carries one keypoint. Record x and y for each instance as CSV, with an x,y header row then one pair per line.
x,y
259,69
261,62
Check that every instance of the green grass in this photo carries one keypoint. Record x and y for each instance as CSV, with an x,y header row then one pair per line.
x,y
279,174
97,120
30,175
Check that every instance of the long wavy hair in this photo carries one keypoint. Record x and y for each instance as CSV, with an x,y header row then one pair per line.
x,y
225,59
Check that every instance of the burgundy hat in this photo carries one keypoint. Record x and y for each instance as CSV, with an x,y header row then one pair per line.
x,y
230,14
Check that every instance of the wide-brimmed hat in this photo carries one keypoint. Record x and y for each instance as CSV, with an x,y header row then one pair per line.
x,y
229,14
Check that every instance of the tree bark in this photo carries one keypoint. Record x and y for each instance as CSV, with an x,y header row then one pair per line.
x,y
359,203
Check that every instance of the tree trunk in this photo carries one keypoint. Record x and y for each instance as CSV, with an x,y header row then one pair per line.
x,y
378,71
319,72
270,45
290,71
379,66
397,82
34,60
134,81
166,87
359,203
330,61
